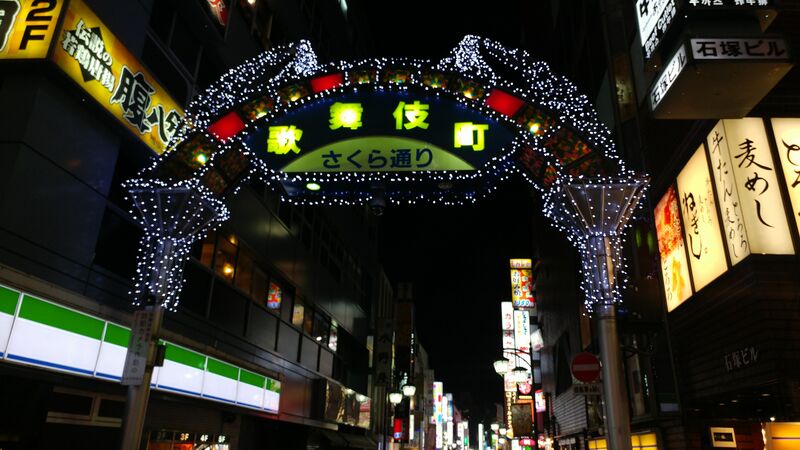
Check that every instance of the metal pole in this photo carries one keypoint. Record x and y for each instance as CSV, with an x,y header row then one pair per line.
x,y
617,416
618,428
137,398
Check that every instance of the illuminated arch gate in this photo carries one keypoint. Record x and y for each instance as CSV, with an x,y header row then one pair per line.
x,y
402,130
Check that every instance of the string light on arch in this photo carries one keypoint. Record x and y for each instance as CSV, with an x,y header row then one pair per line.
x,y
279,82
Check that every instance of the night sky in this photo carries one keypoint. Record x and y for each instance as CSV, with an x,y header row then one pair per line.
x,y
456,257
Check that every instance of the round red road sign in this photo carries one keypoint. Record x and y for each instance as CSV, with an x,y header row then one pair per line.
x,y
585,367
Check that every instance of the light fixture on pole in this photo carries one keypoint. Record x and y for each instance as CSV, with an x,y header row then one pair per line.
x,y
600,210
501,366
395,398
409,390
494,426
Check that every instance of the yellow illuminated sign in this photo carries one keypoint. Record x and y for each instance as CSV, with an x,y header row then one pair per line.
x,y
27,27
519,263
89,53
411,115
787,139
345,115
700,225
468,134
283,139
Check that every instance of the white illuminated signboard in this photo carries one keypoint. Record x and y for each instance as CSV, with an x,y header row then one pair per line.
x,y
507,311
668,76
732,48
700,225
654,18
751,206
720,4
787,139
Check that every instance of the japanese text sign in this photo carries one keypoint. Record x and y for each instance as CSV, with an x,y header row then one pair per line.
x,y
751,206
700,225
521,282
674,266
668,76
729,48
507,315
787,139
27,27
89,53
521,288
390,132
654,18
720,4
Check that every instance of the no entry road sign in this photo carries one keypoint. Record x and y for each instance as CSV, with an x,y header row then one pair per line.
x,y
585,367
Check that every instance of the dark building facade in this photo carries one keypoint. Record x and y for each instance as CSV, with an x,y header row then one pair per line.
x,y
696,94
269,346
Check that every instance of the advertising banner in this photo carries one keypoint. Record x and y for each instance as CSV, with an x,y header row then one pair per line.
x,y
89,53
787,140
740,154
701,227
674,265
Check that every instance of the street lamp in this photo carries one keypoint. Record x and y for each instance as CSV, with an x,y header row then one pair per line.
x,y
501,366
409,390
600,210
395,398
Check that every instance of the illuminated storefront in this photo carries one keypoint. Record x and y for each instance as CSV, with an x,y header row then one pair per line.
x,y
727,203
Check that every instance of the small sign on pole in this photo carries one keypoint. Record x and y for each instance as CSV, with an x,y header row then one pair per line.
x,y
586,388
136,358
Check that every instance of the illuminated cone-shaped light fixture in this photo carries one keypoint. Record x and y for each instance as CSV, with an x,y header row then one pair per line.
x,y
602,208
409,390
173,217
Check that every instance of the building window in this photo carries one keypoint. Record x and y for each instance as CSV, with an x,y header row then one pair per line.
x,y
322,328
258,16
225,259
333,340
298,313
274,296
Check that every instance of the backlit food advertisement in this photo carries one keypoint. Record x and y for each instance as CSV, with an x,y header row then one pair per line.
x,y
674,266
89,53
745,174
787,140
700,225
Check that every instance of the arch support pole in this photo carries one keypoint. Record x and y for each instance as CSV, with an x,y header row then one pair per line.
x,y
173,219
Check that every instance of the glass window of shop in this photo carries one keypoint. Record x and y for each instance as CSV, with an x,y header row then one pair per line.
x,y
322,328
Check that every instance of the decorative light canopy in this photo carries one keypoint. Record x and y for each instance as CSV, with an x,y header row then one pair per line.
x,y
555,140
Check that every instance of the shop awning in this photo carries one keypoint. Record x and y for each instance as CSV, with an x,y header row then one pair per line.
x,y
360,442
334,437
